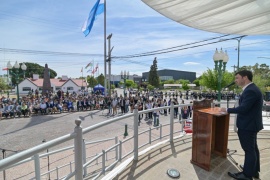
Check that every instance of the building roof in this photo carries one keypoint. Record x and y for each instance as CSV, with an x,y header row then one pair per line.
x,y
58,82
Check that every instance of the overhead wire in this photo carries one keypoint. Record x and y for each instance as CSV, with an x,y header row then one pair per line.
x,y
163,52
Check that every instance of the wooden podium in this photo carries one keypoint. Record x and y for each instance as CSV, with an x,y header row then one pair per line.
x,y
210,133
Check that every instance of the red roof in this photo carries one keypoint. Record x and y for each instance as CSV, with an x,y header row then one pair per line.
x,y
58,82
79,82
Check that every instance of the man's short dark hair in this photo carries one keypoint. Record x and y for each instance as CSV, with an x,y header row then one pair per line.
x,y
245,73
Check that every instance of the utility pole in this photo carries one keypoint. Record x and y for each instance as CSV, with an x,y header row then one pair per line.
x,y
109,61
234,66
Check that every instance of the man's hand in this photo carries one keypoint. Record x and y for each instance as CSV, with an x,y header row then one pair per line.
x,y
223,109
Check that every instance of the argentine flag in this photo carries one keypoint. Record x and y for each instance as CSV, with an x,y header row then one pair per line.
x,y
96,10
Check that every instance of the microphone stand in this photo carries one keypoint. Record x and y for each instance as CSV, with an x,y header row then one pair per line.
x,y
230,152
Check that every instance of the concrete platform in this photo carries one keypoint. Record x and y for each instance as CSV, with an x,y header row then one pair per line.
x,y
154,164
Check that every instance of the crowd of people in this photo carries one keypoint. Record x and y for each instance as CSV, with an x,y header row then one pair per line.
x,y
36,104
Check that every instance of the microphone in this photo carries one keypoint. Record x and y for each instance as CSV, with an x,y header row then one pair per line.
x,y
229,85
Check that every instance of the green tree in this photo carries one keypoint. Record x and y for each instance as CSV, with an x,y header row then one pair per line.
x,y
112,86
209,79
182,81
129,83
153,78
150,87
261,75
32,68
170,81
101,79
3,84
197,82
92,82
260,82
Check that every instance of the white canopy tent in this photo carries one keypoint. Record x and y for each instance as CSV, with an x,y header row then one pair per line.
x,y
243,17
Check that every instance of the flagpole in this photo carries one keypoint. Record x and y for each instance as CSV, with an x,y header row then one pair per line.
x,y
105,65
93,68
82,77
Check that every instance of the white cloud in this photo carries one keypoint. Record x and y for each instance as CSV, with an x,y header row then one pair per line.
x,y
191,63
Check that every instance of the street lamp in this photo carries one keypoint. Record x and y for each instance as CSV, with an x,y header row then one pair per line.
x,y
124,76
16,74
220,59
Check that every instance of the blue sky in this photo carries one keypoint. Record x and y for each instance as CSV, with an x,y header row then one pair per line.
x,y
55,26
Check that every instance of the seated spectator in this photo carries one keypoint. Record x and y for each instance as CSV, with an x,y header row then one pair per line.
x,y
101,103
93,104
17,110
79,105
50,105
24,109
30,104
53,106
74,103
85,104
59,106
36,107
5,110
11,109
1,110
8,110
97,104
70,106
43,108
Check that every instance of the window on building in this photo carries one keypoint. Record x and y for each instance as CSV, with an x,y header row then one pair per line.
x,y
58,88
164,78
26,89
69,88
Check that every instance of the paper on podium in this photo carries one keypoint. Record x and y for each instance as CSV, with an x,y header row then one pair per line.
x,y
214,111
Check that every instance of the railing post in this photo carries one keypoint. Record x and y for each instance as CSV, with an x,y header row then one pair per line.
x,y
171,121
57,173
84,158
37,166
136,143
116,148
78,147
160,133
120,151
70,167
103,162
150,135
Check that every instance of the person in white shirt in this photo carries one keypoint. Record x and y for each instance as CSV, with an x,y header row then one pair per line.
x,y
114,105
17,110
11,110
156,115
43,108
126,105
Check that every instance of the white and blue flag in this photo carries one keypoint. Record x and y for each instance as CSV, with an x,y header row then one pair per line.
x,y
96,10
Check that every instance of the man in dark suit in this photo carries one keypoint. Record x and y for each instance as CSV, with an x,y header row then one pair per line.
x,y
249,123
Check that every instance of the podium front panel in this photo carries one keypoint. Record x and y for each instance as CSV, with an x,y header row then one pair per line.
x,y
210,135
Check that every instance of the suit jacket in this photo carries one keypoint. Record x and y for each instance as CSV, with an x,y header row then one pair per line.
x,y
249,111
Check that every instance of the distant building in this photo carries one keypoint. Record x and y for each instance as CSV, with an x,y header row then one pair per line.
x,y
65,84
115,79
168,74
